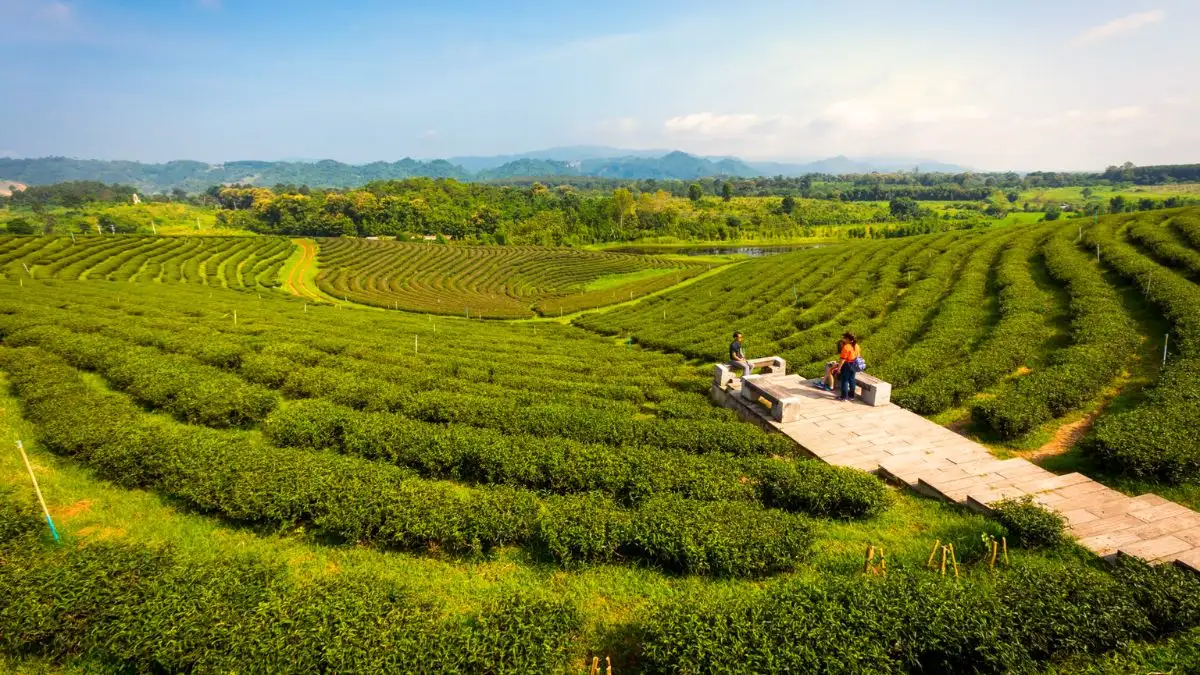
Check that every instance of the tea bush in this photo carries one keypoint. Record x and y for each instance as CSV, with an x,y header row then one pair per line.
x,y
1029,524
630,474
1159,438
1102,337
139,610
236,475
912,621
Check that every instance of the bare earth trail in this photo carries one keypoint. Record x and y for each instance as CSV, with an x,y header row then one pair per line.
x,y
301,272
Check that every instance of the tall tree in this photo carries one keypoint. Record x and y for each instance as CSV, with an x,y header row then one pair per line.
x,y
623,202
726,191
694,192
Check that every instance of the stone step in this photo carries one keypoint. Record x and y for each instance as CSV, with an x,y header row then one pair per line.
x,y
1189,559
1155,550
1112,524
1105,545
1176,526
1161,512
1003,476
1151,499
1078,491
1190,535
1036,486
907,471
983,501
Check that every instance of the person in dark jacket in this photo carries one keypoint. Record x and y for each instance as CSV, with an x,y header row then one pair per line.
x,y
737,358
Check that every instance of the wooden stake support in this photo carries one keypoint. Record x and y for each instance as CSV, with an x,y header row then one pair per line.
x,y
953,559
995,549
1004,544
936,544
595,666
870,557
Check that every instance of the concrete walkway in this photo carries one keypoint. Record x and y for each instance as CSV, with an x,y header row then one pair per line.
x,y
908,449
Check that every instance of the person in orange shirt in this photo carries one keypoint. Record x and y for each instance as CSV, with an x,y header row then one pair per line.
x,y
848,374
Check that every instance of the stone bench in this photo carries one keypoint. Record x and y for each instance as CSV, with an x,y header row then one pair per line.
x,y
724,373
784,407
870,389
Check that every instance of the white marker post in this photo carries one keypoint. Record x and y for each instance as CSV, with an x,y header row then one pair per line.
x,y
235,317
72,238
415,350
1166,340
38,491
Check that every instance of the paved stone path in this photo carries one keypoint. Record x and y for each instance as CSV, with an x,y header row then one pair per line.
x,y
908,449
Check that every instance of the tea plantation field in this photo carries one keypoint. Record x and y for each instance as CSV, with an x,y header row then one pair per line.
x,y
230,262
246,482
490,281
1006,330
494,282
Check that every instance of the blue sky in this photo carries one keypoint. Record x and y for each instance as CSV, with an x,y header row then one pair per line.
x,y
1017,84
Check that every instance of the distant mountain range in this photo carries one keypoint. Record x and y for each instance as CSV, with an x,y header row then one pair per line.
x,y
597,161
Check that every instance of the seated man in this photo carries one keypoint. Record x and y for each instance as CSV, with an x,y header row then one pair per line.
x,y
737,357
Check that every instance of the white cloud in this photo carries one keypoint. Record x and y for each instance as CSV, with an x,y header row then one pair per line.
x,y
1125,24
56,11
714,124
954,113
428,134
9,154
1130,112
851,114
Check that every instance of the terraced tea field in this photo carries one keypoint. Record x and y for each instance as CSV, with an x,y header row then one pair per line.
x,y
231,262
490,281
253,482
1009,329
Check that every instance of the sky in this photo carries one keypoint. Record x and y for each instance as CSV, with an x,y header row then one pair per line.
x,y
1019,84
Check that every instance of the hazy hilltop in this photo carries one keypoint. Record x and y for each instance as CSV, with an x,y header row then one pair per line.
x,y
595,161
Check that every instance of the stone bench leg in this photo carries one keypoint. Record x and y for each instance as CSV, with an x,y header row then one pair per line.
x,y
876,394
788,410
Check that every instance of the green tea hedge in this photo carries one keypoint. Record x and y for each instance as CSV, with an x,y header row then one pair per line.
x,y
235,475
1016,620
630,474
138,610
